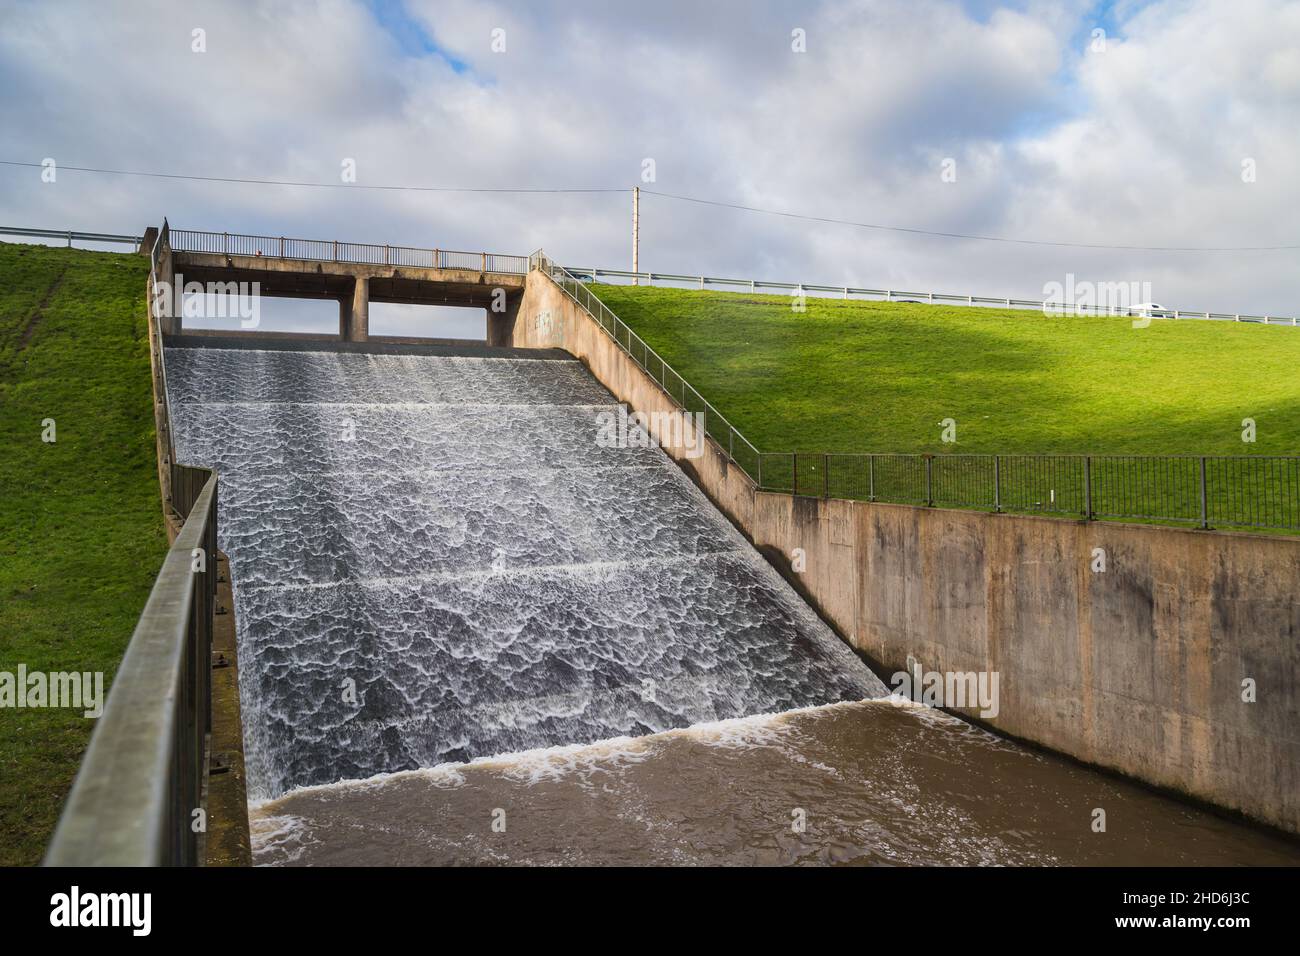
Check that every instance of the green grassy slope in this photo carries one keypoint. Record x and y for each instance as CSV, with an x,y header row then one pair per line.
x,y
81,532
879,377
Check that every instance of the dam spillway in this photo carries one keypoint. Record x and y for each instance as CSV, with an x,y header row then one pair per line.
x,y
435,559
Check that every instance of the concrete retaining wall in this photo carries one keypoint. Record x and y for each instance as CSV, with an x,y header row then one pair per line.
x,y
1138,668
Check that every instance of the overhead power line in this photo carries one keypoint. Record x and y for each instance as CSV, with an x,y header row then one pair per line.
x,y
962,235
673,196
317,185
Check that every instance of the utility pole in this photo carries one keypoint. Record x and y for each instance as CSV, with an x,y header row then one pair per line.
x,y
636,230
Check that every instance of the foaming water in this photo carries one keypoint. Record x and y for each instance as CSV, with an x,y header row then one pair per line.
x,y
874,783
434,559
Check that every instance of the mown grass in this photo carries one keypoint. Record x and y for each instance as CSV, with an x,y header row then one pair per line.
x,y
81,531
855,377
879,377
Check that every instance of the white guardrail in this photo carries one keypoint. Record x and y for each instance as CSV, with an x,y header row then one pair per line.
x,y
591,274
69,235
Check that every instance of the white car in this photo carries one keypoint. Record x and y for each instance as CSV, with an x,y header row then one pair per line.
x,y
1151,309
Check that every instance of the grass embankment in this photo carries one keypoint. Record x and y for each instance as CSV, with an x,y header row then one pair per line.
x,y
81,531
881,377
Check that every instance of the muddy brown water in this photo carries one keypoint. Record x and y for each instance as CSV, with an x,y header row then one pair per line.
x,y
872,783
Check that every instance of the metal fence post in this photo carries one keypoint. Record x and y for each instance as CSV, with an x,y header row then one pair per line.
x,y
997,484
871,477
759,476
336,250
794,483
1205,509
929,481
826,475
225,243
731,444
1087,487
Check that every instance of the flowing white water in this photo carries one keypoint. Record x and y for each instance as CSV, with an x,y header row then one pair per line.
x,y
435,560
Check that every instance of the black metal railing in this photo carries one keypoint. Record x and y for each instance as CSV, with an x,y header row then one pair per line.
x,y
1238,491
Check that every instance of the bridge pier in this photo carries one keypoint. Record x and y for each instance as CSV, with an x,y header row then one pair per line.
x,y
501,325
354,313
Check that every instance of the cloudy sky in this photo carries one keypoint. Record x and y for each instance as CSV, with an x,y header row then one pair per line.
x,y
1136,136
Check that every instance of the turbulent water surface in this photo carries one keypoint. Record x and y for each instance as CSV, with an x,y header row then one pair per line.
x,y
471,633
865,783
435,559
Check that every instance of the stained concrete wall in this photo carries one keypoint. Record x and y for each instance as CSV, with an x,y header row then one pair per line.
x,y
1138,668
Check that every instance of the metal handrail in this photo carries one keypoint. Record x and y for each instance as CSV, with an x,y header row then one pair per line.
x,y
71,234
1233,491
716,425
334,250
926,298
140,783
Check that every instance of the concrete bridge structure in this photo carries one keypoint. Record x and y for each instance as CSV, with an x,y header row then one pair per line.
x,y
352,274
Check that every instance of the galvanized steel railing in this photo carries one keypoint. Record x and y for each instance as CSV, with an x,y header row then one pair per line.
x,y
1242,491
739,448
69,235
925,298
333,250
141,780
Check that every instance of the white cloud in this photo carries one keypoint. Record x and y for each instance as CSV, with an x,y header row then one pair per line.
x,y
1139,145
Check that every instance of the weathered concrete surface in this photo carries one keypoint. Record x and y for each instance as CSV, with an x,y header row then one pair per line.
x,y
162,426
1139,668
354,316
228,842
547,318
353,285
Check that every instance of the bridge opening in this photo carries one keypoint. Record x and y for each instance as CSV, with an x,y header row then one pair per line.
x,y
233,311
411,320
